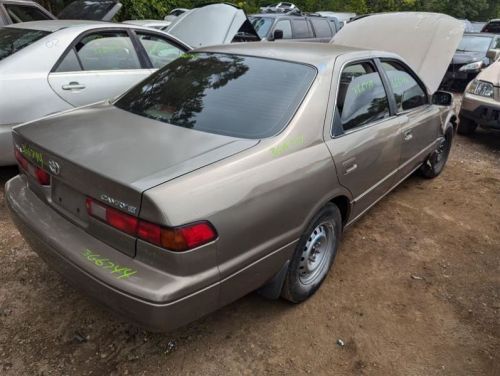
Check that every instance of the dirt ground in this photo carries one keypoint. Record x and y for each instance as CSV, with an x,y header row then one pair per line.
x,y
415,291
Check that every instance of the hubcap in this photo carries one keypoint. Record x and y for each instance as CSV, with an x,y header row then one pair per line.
x,y
316,253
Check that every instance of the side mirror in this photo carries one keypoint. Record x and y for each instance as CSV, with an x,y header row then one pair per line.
x,y
278,34
493,55
442,98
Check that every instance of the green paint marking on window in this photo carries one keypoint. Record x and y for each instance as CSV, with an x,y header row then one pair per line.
x,y
283,147
32,154
118,271
363,86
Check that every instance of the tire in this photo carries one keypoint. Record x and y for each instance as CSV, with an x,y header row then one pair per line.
x,y
314,255
435,163
466,126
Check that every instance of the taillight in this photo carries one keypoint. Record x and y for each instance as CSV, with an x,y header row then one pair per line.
x,y
23,162
41,176
178,239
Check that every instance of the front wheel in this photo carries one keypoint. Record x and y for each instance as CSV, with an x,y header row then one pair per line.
x,y
435,163
314,255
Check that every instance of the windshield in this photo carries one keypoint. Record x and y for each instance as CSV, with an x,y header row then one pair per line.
x,y
492,27
238,96
471,43
262,25
14,39
25,13
87,10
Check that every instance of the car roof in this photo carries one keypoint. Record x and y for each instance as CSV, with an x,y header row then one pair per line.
x,y
274,15
56,25
317,54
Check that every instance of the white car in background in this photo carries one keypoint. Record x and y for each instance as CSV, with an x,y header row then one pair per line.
x,y
51,66
155,24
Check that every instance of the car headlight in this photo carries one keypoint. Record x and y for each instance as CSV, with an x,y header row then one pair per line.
x,y
472,66
482,88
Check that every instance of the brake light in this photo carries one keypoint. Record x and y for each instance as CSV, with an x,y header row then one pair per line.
x,y
41,176
23,162
178,239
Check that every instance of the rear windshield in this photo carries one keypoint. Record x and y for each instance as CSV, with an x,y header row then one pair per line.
x,y
25,13
232,95
86,10
14,39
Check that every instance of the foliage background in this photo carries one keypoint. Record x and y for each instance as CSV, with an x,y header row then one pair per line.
x,y
473,10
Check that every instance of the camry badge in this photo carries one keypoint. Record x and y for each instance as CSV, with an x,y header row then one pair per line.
x,y
54,167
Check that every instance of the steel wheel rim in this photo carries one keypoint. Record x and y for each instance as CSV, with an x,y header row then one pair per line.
x,y
317,253
441,154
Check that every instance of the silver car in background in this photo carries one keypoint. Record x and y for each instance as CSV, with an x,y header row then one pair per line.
x,y
51,66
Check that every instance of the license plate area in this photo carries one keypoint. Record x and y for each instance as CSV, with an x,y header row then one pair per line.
x,y
69,202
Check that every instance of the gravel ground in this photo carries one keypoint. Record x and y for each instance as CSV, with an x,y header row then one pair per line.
x,y
415,291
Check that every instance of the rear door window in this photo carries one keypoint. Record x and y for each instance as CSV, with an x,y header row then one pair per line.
x,y
25,13
321,28
238,96
492,27
14,39
408,93
361,96
286,27
159,50
109,50
301,28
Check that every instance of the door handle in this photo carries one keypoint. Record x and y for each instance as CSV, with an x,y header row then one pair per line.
x,y
73,86
407,135
349,166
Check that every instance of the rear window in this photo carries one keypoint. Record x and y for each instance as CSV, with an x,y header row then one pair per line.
x,y
238,96
25,13
322,28
14,39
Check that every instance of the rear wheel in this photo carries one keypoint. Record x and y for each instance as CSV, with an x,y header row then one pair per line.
x,y
435,163
466,126
314,255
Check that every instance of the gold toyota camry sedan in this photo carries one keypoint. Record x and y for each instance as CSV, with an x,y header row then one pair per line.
x,y
234,168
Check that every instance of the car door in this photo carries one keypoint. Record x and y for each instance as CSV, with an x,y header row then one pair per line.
x,y
285,26
419,118
100,64
159,50
301,29
366,141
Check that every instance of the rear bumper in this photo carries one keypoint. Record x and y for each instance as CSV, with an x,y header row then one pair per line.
x,y
62,245
485,112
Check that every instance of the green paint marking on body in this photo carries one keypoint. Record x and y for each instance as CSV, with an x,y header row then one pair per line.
x,y
118,271
283,147
32,154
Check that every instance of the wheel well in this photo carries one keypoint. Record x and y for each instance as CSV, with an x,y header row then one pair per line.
x,y
453,121
344,205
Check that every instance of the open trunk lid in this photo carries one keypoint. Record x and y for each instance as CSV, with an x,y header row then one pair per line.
x,y
427,41
211,25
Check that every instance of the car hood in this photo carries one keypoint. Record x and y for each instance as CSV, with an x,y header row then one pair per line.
x,y
427,41
210,25
491,74
135,152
